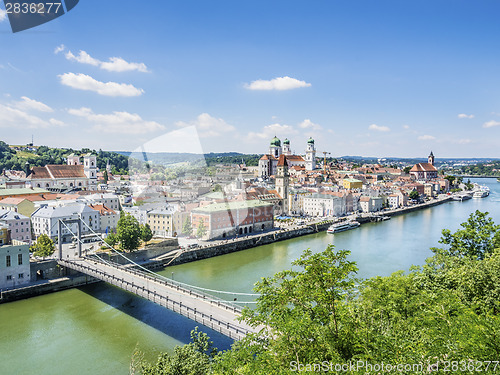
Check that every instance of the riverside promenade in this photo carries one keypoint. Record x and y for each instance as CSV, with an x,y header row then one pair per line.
x,y
213,248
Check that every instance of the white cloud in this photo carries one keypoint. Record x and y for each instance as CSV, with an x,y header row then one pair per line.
x,y
83,58
279,83
378,128
117,122
406,127
30,104
426,137
308,124
208,126
84,82
3,15
115,64
60,48
491,124
270,131
463,115
17,114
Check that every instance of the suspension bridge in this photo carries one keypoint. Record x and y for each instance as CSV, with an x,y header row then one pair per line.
x,y
193,302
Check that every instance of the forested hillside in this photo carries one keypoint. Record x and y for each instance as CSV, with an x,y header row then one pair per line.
x,y
11,159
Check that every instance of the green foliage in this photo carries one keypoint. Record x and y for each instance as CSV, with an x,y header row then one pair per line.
x,y
192,359
43,247
305,310
111,239
406,170
478,237
187,228
201,230
414,194
10,159
146,233
128,232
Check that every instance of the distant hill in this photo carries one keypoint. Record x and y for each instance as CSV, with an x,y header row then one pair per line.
x,y
166,158
16,157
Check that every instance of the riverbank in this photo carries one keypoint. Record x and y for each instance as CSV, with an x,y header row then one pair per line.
x,y
159,257
238,244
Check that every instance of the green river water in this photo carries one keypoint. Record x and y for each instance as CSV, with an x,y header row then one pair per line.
x,y
95,329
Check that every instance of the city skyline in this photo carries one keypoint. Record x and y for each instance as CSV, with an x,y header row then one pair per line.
x,y
387,79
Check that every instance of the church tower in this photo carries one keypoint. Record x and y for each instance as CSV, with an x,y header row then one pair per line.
x,y
275,147
310,155
282,182
286,147
90,169
430,159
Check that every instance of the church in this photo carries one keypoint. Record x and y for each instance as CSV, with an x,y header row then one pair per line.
x,y
425,171
73,175
269,162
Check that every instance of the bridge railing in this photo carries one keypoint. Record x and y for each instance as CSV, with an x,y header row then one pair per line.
x,y
231,330
172,284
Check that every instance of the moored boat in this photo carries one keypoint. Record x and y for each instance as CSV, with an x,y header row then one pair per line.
x,y
342,226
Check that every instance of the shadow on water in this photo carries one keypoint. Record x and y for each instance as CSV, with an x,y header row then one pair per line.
x,y
158,317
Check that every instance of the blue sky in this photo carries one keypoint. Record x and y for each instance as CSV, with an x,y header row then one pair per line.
x,y
374,78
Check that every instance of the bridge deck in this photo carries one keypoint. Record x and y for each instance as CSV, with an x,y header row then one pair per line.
x,y
200,307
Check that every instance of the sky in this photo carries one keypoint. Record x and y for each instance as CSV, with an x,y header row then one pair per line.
x,y
373,78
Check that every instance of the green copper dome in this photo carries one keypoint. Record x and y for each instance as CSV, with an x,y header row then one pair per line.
x,y
286,141
275,142
310,141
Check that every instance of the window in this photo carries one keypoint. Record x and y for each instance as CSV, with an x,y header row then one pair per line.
x,y
19,259
20,276
7,261
9,277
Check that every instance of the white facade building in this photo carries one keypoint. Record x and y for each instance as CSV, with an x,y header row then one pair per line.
x,y
19,225
14,265
44,220
324,205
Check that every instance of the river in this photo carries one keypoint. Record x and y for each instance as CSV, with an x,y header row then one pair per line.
x,y
97,328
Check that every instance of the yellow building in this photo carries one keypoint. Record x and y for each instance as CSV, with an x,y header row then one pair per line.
x,y
352,183
4,234
161,223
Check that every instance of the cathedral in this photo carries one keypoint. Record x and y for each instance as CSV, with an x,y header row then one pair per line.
x,y
269,162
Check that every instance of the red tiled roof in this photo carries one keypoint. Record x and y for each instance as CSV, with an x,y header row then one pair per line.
x,y
295,158
12,200
423,167
282,161
103,210
52,171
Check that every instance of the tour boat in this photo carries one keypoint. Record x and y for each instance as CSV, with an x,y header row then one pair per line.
x,y
340,227
481,193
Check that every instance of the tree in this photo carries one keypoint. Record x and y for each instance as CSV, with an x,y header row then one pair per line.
x,y
414,194
146,233
43,247
187,228
451,179
191,359
128,232
304,309
201,230
479,236
105,176
111,239
406,170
